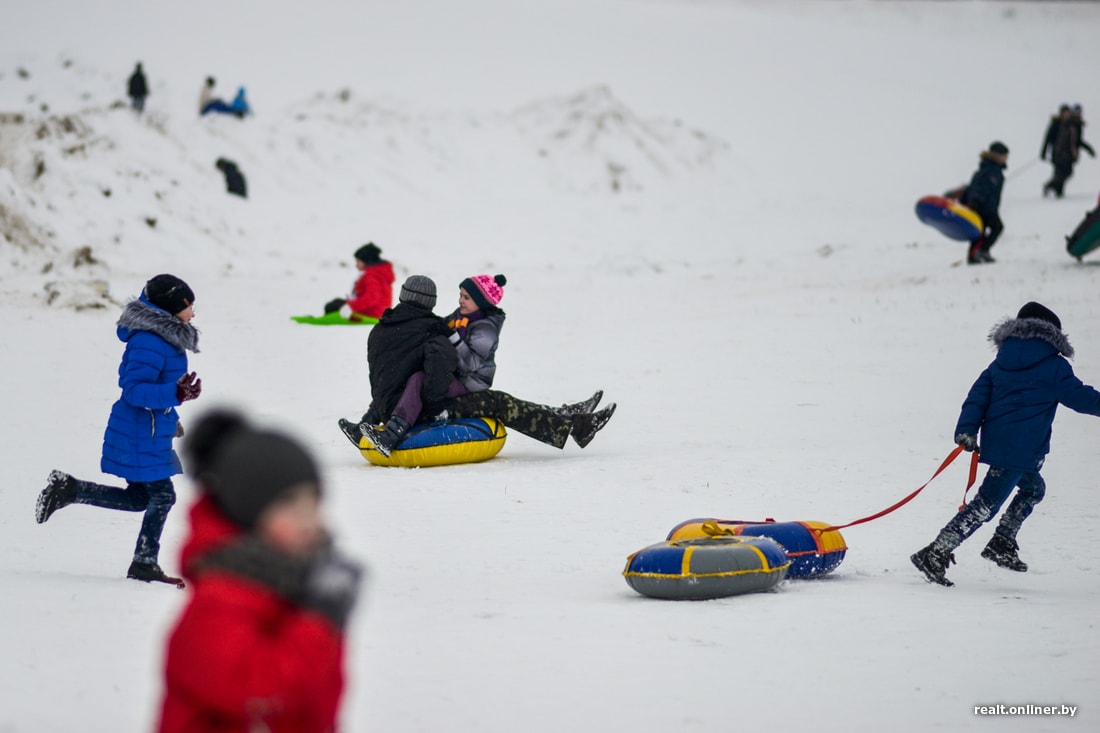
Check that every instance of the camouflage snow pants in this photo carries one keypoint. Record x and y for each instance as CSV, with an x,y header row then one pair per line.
x,y
540,422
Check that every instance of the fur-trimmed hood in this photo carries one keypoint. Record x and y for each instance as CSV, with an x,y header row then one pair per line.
x,y
1035,338
141,315
998,159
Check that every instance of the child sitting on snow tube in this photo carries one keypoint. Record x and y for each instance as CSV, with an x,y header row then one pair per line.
x,y
398,342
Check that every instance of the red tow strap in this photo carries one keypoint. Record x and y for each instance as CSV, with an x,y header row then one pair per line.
x,y
946,462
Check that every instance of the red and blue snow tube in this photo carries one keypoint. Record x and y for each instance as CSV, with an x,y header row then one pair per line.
x,y
812,551
950,218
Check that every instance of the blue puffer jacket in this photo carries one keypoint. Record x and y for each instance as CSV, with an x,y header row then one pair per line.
x,y
1015,398
137,444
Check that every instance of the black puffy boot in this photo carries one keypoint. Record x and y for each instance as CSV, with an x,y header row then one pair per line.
x,y
586,425
385,440
150,572
933,562
60,491
575,408
1002,551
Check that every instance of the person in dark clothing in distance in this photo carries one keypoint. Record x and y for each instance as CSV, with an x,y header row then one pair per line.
x,y
983,195
137,89
234,179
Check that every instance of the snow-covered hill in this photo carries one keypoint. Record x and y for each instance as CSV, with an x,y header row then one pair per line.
x,y
704,208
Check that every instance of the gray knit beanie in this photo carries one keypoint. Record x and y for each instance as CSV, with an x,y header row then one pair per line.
x,y
420,290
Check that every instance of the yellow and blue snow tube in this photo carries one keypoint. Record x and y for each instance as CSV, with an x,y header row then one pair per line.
x,y
442,443
706,567
811,551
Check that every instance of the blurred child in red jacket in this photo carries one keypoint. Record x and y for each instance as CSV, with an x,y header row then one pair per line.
x,y
260,645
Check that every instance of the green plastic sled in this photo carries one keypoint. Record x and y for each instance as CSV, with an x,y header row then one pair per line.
x,y
333,319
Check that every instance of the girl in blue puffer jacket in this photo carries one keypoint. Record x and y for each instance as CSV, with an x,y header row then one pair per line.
x,y
1012,404
137,444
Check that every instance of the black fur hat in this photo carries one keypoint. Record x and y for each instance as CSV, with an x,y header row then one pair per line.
x,y
1037,310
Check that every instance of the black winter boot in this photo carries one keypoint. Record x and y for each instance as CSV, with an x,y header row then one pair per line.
x,y
150,572
583,406
60,491
1002,551
385,440
351,431
586,425
933,562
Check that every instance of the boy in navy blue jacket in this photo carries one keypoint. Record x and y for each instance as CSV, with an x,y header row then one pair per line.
x,y
1013,404
983,195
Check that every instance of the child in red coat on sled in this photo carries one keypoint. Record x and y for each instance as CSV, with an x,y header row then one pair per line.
x,y
372,293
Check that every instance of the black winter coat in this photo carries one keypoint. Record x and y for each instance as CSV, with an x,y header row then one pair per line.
x,y
407,339
234,179
137,86
984,192
1061,141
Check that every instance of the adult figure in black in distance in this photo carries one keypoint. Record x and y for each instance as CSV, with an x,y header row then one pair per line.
x,y
234,179
137,89
1064,140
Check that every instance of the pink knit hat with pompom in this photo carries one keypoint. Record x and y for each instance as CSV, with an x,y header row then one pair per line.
x,y
485,290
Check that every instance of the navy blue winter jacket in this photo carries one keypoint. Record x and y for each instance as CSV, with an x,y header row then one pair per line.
x,y
1014,400
984,192
137,444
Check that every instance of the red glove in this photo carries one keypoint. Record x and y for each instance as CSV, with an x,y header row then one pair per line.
x,y
188,387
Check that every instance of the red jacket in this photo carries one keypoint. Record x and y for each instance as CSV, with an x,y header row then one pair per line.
x,y
242,658
373,291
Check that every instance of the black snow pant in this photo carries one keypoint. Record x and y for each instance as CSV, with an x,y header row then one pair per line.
x,y
543,423
993,228
1063,169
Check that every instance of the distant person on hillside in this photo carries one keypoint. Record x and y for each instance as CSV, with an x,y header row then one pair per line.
x,y
1064,140
983,195
1007,418
260,644
234,179
137,444
138,89
240,105
372,292
208,102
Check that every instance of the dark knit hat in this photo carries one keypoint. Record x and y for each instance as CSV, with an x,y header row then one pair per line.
x,y
998,147
169,293
418,289
486,291
1041,312
246,470
368,254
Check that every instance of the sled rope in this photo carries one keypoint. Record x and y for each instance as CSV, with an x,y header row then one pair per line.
x,y
946,462
1022,168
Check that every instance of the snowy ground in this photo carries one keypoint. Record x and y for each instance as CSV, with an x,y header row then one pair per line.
x,y
704,208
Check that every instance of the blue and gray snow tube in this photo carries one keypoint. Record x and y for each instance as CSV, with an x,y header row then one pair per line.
x,y
704,568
